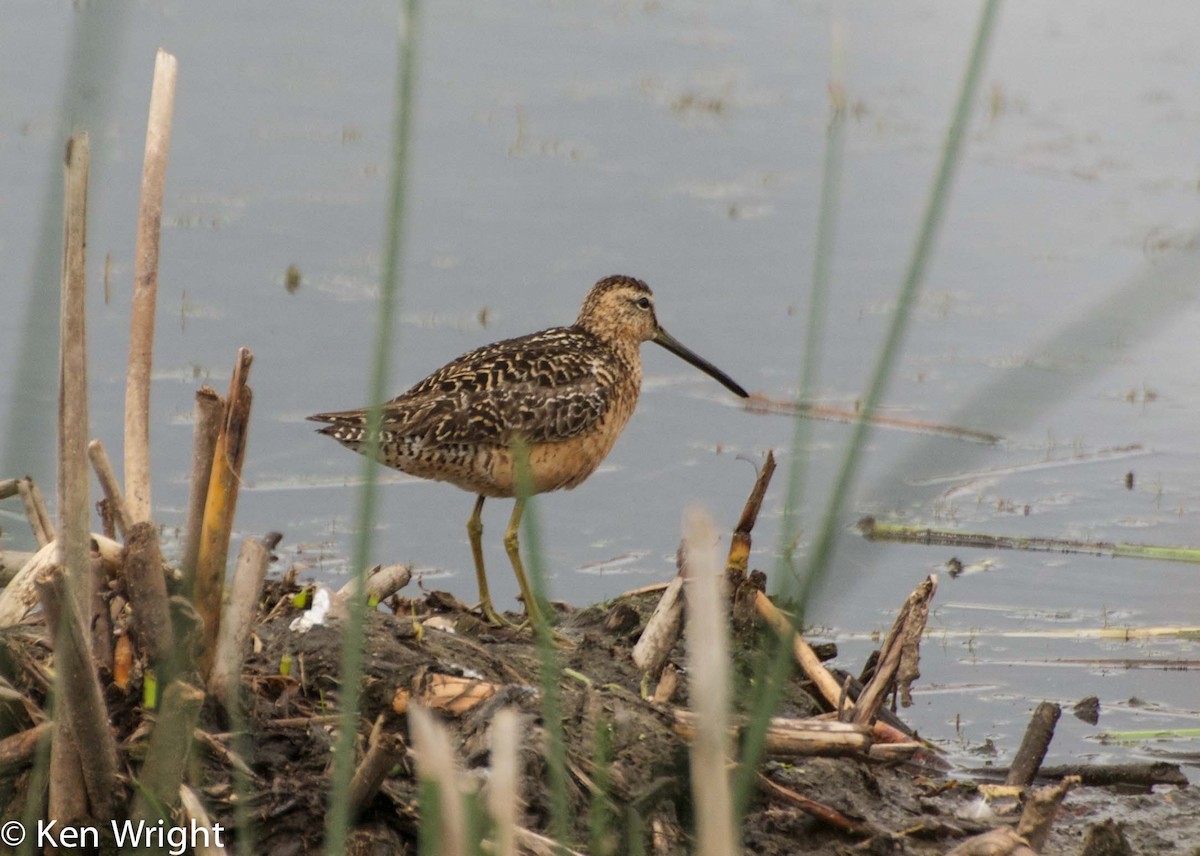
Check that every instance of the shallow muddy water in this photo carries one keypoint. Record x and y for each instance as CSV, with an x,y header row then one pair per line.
x,y
682,144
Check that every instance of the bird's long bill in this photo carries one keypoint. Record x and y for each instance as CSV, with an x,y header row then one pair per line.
x,y
662,337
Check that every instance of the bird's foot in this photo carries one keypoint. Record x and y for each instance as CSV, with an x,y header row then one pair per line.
x,y
489,614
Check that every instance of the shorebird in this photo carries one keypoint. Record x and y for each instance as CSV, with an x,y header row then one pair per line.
x,y
561,397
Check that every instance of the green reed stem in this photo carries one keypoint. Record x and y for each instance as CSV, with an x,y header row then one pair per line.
x,y
771,677
337,821
560,823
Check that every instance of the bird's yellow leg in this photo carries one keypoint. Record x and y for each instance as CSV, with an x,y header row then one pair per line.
x,y
513,546
475,533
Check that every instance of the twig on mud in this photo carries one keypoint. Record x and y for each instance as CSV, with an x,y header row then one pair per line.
x,y
206,426
145,289
739,545
796,737
162,772
384,751
110,485
220,504
248,577
822,812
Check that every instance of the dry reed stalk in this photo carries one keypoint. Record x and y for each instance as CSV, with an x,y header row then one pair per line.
x,y
74,503
653,647
739,545
20,595
435,764
109,484
899,654
237,622
161,773
100,619
145,289
8,488
504,783
815,670
220,505
81,719
35,511
795,737
381,583
384,751
708,667
206,425
148,597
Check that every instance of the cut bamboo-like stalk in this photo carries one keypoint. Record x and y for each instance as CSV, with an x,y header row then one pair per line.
x,y
206,426
166,757
8,487
795,737
220,504
20,595
240,612
145,289
81,707
708,668
110,485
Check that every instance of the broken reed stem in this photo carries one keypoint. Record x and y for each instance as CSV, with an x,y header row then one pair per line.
x,y
240,612
81,718
899,654
100,619
109,484
381,583
219,507
17,751
145,289
739,545
708,665
8,488
167,755
384,751
35,511
1034,744
148,597
206,425
662,629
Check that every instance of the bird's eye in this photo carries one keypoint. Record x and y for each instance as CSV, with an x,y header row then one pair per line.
x,y
643,303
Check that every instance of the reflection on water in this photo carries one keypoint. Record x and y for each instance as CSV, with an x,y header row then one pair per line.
x,y
679,143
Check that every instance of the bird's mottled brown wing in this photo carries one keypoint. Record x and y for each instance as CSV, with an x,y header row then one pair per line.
x,y
547,386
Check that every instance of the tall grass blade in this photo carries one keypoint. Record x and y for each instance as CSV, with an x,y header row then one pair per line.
x,y
504,784
772,676
337,820
560,818
435,765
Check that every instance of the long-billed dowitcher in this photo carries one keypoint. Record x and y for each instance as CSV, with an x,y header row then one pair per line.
x,y
563,395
